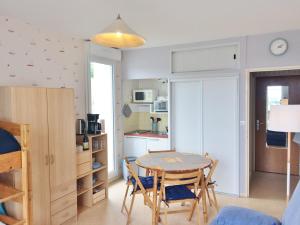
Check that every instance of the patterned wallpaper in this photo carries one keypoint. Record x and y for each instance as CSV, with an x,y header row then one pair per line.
x,y
30,56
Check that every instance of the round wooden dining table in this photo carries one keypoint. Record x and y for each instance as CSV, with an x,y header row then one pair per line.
x,y
173,162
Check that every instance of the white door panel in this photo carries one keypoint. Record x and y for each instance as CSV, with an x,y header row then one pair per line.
x,y
204,118
186,104
220,130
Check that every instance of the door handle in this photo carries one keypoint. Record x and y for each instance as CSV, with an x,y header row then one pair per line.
x,y
258,123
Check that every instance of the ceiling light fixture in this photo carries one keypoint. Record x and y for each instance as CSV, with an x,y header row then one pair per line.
x,y
118,35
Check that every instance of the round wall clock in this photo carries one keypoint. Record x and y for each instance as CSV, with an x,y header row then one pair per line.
x,y
278,46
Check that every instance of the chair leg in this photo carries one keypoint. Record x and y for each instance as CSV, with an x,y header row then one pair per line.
x,y
193,207
125,197
198,212
215,199
166,215
130,209
209,198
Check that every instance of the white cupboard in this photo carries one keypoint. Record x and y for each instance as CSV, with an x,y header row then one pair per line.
x,y
204,118
134,146
138,146
158,144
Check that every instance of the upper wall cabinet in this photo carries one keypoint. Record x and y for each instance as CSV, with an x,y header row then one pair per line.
x,y
205,59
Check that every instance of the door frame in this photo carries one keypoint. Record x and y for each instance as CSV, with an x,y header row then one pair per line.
x,y
248,118
114,69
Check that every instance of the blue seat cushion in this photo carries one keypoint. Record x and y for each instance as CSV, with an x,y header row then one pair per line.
x,y
2,209
232,215
292,213
147,182
8,142
178,192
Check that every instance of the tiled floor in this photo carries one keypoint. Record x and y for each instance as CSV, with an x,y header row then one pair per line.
x,y
267,195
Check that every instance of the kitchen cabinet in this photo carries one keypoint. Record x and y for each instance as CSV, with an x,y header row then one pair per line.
x,y
52,155
138,146
135,146
158,144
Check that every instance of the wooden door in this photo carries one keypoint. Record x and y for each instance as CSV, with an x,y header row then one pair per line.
x,y
269,158
62,143
29,105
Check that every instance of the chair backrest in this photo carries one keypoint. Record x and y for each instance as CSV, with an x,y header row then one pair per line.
x,y
291,215
180,178
131,171
161,151
212,168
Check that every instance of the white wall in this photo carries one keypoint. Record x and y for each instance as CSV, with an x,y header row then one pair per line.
x,y
31,56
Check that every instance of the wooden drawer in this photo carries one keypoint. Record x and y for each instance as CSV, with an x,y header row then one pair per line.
x,y
72,221
84,168
10,161
63,190
98,196
83,157
64,215
64,202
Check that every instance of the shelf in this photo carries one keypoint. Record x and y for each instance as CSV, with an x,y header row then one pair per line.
x,y
98,150
83,175
82,191
96,135
8,193
10,221
101,168
98,183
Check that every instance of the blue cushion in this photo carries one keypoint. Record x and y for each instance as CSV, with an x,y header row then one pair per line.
x,y
8,142
146,181
2,209
178,192
241,216
291,215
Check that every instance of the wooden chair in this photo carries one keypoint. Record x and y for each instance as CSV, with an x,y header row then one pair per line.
x,y
174,190
141,185
210,184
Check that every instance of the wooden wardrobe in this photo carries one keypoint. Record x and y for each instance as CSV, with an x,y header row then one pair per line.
x,y
52,159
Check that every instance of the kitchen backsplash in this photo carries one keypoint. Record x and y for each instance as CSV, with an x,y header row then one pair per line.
x,y
142,121
34,57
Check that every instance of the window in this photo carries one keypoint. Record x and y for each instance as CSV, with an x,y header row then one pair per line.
x,y
102,103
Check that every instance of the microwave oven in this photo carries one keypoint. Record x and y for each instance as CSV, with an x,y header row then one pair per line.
x,y
160,106
143,96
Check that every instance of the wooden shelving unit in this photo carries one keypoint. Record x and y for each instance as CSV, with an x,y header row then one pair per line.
x,y
92,183
15,162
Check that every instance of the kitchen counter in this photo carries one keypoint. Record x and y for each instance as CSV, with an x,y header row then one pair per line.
x,y
146,134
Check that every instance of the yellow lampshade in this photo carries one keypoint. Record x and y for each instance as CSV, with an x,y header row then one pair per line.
x,y
118,35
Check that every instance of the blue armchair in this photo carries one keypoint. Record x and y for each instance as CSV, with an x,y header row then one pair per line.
x,y
241,216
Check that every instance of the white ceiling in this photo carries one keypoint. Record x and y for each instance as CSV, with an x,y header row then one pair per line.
x,y
161,22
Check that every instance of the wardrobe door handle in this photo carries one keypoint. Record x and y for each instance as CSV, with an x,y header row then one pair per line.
x,y
52,159
47,160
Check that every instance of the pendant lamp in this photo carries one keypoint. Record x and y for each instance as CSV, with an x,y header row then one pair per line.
x,y
118,35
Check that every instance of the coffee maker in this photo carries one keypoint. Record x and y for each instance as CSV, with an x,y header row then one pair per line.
x,y
93,126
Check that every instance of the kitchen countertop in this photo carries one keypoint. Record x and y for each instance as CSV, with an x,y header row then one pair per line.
x,y
146,134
